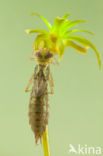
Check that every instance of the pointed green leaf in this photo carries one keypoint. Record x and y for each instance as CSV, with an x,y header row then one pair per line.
x,y
46,22
68,24
66,15
73,23
61,49
78,30
57,25
75,46
86,43
30,31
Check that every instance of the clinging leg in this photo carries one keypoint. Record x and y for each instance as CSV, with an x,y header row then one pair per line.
x,y
56,62
31,59
29,83
51,83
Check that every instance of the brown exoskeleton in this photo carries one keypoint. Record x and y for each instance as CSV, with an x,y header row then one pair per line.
x,y
38,106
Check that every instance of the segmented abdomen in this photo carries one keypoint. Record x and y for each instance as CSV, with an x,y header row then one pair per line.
x,y
38,107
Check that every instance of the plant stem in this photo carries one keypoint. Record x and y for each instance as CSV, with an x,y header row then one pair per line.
x,y
45,141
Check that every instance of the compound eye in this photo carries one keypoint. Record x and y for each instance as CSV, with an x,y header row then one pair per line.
x,y
38,55
49,55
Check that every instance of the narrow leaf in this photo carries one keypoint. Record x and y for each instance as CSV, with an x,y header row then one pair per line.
x,y
79,30
66,15
75,46
73,23
86,43
57,25
68,24
61,49
46,22
30,31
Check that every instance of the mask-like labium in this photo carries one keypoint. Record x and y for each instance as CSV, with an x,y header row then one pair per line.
x,y
59,36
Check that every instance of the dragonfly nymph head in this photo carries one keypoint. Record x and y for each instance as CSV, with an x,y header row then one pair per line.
x,y
43,56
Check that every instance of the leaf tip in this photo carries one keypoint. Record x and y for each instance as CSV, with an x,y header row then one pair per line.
x,y
84,21
100,64
92,33
27,31
33,13
66,15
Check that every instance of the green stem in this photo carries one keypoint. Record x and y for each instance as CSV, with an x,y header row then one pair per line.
x,y
45,141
